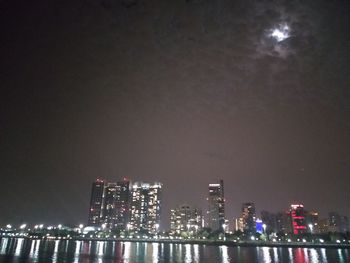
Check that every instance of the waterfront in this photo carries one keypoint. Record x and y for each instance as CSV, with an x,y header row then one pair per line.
x,y
26,250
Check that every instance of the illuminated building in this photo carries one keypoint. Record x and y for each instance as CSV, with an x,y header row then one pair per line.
x,y
238,224
312,222
297,216
109,204
259,226
123,204
96,203
248,215
109,214
323,226
145,207
216,206
185,218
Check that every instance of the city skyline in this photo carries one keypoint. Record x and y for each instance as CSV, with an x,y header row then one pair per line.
x,y
255,93
142,204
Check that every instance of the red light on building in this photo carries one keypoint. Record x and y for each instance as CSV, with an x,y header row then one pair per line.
x,y
297,214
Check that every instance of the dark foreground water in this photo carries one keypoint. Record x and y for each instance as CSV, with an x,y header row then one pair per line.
x,y
23,250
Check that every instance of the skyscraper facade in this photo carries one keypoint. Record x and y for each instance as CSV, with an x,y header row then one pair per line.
x,y
270,220
123,204
249,217
185,218
298,220
338,223
216,206
96,203
145,207
109,213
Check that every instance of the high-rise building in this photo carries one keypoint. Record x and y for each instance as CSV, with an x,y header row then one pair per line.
x,y
338,223
145,207
238,224
323,226
123,204
249,217
216,206
312,222
109,213
96,203
185,218
298,220
259,226
109,205
270,220
283,223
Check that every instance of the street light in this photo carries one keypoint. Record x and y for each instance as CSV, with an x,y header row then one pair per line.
x,y
264,227
23,226
8,226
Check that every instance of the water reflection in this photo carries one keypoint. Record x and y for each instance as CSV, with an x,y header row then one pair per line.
x,y
34,250
19,245
188,256
3,245
266,254
224,254
291,256
313,255
24,250
340,256
323,255
155,252
195,253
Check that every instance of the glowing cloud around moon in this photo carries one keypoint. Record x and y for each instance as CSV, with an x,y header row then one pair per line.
x,y
281,33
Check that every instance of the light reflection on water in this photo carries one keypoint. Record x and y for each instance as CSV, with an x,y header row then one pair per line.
x,y
24,250
224,254
266,254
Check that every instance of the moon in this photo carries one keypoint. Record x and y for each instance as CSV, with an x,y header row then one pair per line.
x,y
281,33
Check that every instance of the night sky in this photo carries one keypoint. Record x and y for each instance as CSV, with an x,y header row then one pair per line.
x,y
182,92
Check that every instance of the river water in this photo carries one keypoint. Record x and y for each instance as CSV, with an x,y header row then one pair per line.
x,y
24,250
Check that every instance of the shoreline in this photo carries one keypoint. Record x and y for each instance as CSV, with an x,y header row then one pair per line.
x,y
201,242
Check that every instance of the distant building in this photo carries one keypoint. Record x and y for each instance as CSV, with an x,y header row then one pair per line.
x,y
238,224
249,217
344,224
96,203
123,204
283,223
259,226
145,207
337,222
185,218
270,220
109,212
323,226
216,206
110,204
298,220
312,222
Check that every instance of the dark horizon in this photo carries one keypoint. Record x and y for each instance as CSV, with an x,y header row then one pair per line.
x,y
252,92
